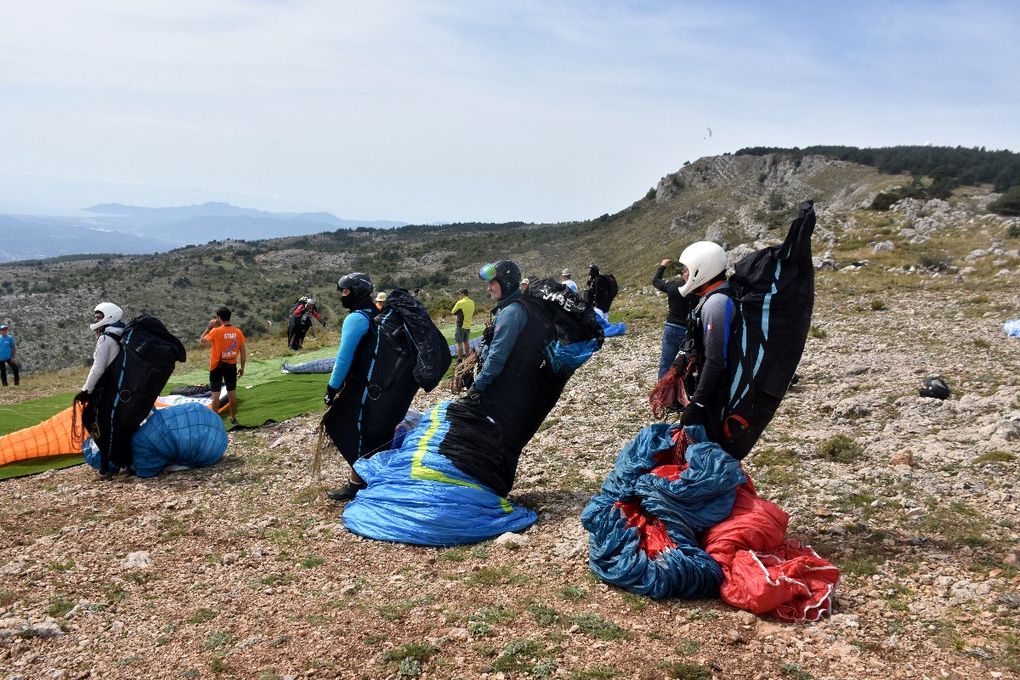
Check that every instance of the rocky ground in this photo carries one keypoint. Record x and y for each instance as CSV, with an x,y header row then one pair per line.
x,y
246,570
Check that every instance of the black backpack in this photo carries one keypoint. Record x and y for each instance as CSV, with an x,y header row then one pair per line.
x,y
773,290
129,386
406,325
612,288
575,334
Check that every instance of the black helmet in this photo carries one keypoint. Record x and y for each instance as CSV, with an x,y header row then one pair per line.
x,y
934,387
356,281
593,269
505,272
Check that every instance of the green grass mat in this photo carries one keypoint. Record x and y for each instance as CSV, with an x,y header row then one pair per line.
x,y
256,372
14,417
37,465
286,396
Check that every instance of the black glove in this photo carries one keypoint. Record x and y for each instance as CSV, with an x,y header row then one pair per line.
x,y
694,414
330,395
81,397
473,396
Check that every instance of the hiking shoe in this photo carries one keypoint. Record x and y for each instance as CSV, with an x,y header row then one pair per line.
x,y
233,421
346,492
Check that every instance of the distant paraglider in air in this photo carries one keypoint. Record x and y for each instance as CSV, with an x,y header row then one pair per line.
x,y
709,135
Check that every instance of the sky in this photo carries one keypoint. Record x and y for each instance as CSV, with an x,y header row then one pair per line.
x,y
473,110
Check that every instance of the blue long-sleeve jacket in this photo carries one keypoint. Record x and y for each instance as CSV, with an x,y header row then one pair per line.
x,y
354,328
509,322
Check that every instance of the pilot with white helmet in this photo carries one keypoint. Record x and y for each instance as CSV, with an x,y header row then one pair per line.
x,y
108,328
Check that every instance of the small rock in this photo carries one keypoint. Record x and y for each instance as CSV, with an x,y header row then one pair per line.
x,y
458,634
747,618
137,560
230,558
903,457
511,540
1012,558
734,637
14,567
46,629
574,628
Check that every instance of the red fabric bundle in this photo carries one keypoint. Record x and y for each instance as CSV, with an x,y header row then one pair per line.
x,y
763,572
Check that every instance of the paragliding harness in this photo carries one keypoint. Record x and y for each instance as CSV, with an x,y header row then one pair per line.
x,y
403,351
772,291
575,333
129,386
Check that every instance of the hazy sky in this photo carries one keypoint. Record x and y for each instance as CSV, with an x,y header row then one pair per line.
x,y
432,110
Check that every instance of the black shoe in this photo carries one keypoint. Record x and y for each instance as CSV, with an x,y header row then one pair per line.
x,y
346,492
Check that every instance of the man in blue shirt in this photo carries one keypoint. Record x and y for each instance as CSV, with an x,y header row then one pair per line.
x,y
8,353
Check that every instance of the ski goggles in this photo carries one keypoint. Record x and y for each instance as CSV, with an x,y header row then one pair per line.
x,y
487,272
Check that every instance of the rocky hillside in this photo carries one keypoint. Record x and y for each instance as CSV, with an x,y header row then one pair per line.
x,y
736,200
245,569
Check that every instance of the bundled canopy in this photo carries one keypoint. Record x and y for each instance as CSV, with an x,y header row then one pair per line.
x,y
645,522
417,495
188,435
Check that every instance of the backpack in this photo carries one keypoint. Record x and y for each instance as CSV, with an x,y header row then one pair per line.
x,y
406,325
773,291
575,332
612,288
129,387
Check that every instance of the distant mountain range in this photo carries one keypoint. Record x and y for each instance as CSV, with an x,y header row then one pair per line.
x,y
128,229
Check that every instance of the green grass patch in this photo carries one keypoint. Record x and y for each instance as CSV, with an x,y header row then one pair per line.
x,y
699,614
217,639
573,593
520,656
596,673
688,647
458,554
62,566
34,466
794,672
59,606
683,670
313,561
861,565
409,658
773,455
202,616
597,626
840,448
995,457
495,576
544,616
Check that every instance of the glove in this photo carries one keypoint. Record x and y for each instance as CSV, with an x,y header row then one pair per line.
x,y
330,395
81,397
473,396
694,414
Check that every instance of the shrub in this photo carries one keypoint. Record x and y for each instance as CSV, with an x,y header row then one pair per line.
x,y
878,306
840,449
1008,203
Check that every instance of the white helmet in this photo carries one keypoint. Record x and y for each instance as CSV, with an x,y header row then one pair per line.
x,y
111,314
704,261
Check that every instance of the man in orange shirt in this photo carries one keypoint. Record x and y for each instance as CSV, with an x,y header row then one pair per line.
x,y
227,349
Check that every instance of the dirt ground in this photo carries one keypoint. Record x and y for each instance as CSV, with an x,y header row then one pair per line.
x,y
245,569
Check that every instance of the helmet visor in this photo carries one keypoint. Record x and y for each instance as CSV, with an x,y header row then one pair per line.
x,y
487,272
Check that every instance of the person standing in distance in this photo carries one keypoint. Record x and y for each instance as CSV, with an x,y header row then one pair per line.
x,y
675,331
464,310
8,354
227,357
